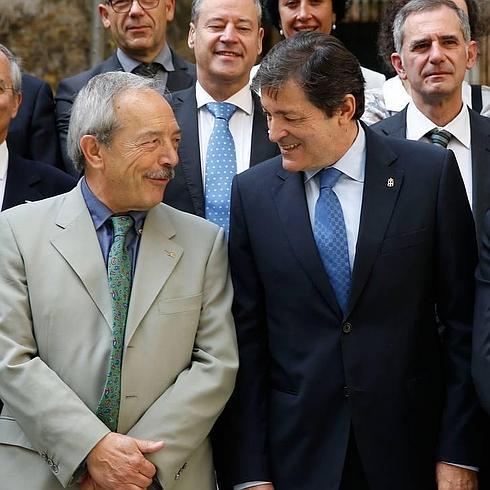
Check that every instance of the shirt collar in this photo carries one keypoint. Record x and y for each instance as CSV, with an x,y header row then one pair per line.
x,y
418,125
4,160
164,57
242,99
353,162
100,213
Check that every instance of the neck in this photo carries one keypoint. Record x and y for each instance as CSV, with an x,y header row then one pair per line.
x,y
347,140
221,90
147,56
439,111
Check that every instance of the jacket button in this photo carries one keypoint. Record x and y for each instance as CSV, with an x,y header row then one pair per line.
x,y
346,392
347,327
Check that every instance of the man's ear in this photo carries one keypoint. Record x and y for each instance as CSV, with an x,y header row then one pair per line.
x,y
91,149
170,10
396,61
191,37
104,15
472,55
347,109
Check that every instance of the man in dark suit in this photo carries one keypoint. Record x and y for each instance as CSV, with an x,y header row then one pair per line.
x,y
21,179
32,133
224,56
342,249
434,51
138,29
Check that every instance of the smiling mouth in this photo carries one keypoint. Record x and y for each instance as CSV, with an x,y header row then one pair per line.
x,y
305,28
228,53
289,147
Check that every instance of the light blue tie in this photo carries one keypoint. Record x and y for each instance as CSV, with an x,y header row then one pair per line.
x,y
331,238
220,165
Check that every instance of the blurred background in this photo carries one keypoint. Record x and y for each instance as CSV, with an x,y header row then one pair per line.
x,y
56,38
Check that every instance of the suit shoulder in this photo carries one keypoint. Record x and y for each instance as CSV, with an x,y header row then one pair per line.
x,y
263,170
188,221
388,125
73,84
48,172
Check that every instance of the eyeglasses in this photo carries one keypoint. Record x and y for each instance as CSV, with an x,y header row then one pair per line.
x,y
3,89
124,6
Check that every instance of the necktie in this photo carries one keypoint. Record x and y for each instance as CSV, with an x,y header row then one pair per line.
x,y
439,137
119,267
149,70
220,165
331,237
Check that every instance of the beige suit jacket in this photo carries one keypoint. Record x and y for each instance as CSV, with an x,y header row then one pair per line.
x,y
179,359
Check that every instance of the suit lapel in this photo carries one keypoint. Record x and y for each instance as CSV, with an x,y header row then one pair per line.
x,y
480,162
382,185
79,246
189,151
180,78
157,257
290,199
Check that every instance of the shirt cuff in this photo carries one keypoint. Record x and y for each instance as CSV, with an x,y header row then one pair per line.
x,y
249,484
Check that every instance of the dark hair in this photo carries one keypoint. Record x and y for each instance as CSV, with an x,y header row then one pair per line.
x,y
386,45
271,8
320,64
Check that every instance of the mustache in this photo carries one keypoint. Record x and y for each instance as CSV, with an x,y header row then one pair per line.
x,y
164,173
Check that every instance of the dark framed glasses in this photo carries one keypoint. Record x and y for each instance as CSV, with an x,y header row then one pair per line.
x,y
124,6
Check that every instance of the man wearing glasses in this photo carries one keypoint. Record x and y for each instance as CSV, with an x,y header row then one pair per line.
x,y
138,29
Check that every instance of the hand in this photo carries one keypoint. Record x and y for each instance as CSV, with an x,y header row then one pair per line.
x,y
117,462
451,477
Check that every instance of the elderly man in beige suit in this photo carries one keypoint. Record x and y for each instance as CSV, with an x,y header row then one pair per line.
x,y
117,350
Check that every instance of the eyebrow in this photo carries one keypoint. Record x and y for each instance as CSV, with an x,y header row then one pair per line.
x,y
448,37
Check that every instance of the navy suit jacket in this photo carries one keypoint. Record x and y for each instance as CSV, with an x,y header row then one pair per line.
x,y
186,190
31,181
182,77
396,126
309,374
32,133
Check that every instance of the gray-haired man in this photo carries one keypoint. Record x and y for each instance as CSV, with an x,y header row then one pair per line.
x,y
115,376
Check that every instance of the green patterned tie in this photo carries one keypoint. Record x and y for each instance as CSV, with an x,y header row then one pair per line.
x,y
119,267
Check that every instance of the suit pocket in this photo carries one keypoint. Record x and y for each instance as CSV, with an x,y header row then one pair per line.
x,y
406,240
12,434
180,305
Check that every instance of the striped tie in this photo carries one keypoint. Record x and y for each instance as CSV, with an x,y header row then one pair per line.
x,y
439,137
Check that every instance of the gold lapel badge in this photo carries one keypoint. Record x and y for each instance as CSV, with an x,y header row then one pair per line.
x,y
170,253
390,182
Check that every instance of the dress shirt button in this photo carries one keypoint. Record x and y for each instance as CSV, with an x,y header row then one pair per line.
x,y
347,392
347,327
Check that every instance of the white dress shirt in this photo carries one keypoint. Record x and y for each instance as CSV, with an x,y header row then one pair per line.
x,y
241,123
349,190
418,125
4,162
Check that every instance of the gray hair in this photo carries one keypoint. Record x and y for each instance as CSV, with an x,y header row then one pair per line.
x,y
418,6
197,4
94,111
15,73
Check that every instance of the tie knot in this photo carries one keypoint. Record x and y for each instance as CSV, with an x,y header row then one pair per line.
x,y
121,224
439,137
221,110
148,70
329,177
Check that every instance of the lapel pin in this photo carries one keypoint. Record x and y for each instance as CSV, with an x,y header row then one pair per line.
x,y
390,182
170,253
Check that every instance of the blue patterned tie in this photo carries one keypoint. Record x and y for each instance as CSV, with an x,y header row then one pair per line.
x,y
119,266
331,238
220,165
